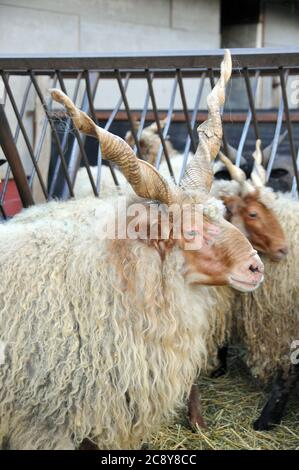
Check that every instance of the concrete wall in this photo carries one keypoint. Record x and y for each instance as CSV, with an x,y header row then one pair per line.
x,y
45,26
281,25
109,25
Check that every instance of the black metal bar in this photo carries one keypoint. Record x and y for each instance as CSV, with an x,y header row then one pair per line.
x,y
142,118
276,136
42,137
246,124
12,156
65,136
126,103
252,106
107,127
24,133
168,121
245,57
251,103
16,136
79,140
155,110
23,107
90,97
185,109
193,124
118,105
289,125
56,138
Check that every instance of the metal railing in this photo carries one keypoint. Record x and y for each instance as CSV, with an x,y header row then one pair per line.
x,y
88,72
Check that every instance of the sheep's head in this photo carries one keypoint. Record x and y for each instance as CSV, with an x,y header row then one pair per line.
x,y
251,209
214,251
281,175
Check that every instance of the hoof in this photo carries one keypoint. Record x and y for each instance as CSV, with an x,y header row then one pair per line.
x,y
261,425
197,421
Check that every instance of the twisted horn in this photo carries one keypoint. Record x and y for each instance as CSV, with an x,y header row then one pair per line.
x,y
199,171
258,174
267,150
236,173
143,177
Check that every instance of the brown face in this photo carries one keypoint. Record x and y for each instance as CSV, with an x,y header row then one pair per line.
x,y
225,258
258,223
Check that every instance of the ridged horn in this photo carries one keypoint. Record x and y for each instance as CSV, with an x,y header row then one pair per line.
x,y
199,171
143,177
258,174
235,172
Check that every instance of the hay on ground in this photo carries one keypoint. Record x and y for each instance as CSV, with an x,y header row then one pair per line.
x,y
230,405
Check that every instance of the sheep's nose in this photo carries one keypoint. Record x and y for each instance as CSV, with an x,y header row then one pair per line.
x,y
280,253
283,251
256,265
254,269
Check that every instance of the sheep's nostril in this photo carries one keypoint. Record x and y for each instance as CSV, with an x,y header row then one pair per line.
x,y
283,251
254,269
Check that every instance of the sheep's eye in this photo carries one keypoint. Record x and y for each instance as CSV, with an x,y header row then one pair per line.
x,y
252,215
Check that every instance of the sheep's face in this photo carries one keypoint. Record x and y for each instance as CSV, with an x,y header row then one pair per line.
x,y
259,223
225,258
214,251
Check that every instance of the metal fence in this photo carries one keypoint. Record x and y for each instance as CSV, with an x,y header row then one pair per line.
x,y
89,72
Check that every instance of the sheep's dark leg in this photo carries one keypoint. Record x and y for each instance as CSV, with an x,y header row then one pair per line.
x,y
86,444
194,409
222,357
273,410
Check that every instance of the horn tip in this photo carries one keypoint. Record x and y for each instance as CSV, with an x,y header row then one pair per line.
x,y
227,64
57,94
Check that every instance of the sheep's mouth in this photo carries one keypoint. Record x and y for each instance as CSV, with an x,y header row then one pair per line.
x,y
244,285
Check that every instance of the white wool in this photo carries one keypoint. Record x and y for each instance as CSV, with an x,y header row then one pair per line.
x,y
86,355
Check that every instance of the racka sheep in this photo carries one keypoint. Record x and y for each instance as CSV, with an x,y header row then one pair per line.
x,y
103,337
265,323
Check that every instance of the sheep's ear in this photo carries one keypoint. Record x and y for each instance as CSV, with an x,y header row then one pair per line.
x,y
156,233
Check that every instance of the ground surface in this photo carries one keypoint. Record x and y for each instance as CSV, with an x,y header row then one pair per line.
x,y
230,404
